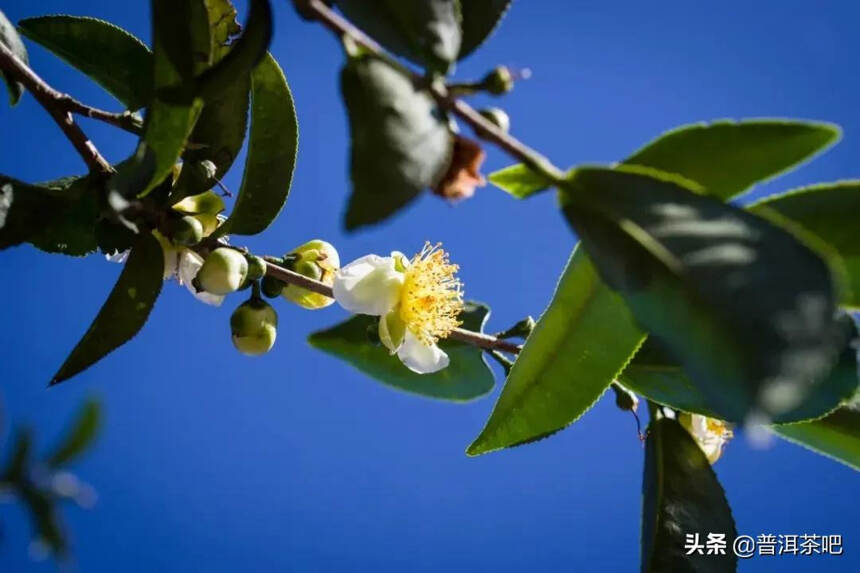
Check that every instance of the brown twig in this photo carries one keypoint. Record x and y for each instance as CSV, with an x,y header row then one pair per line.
x,y
483,127
55,103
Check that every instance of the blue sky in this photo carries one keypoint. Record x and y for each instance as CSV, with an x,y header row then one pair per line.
x,y
295,462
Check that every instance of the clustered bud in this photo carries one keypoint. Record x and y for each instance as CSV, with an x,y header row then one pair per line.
x,y
254,327
317,260
223,271
499,81
498,117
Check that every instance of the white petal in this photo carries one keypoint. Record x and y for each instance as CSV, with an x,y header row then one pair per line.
x,y
392,330
189,263
419,357
369,285
118,257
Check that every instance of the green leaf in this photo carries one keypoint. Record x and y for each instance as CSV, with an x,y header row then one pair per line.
x,y
467,376
401,143
125,311
61,216
79,437
220,131
657,377
836,435
109,55
272,148
582,341
727,157
479,19
10,39
519,181
46,521
424,31
828,211
680,496
746,308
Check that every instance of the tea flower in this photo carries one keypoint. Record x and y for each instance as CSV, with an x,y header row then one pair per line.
x,y
418,302
711,434
182,264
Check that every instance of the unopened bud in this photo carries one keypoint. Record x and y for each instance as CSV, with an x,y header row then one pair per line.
x,y
256,268
498,117
271,287
317,260
498,82
223,271
254,327
187,231
624,398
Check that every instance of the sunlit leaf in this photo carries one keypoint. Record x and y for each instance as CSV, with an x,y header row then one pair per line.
x,y
728,157
836,435
467,376
10,39
400,145
111,56
272,147
829,211
745,307
681,496
519,181
582,341
125,311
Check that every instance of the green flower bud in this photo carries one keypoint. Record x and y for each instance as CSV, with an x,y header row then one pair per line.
x,y
256,268
271,287
624,398
498,82
254,326
317,260
187,231
223,271
498,117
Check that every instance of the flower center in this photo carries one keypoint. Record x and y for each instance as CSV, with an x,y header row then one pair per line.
x,y
718,428
432,298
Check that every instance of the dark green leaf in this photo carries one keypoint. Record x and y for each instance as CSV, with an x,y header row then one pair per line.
x,y
829,211
660,379
21,457
836,435
727,157
746,308
125,311
582,341
424,31
401,143
519,181
681,496
272,147
10,39
467,376
111,56
479,19
79,436
244,54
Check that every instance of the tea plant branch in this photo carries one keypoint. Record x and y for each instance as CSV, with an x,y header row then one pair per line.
x,y
484,128
57,105
479,339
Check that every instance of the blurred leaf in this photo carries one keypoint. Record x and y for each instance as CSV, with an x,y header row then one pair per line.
x,y
9,38
125,311
424,31
79,436
582,341
519,181
727,157
830,212
836,435
657,377
681,495
111,56
745,307
467,376
272,148
479,19
21,457
46,521
401,143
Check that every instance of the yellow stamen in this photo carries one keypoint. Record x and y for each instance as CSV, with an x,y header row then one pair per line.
x,y
718,428
432,295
